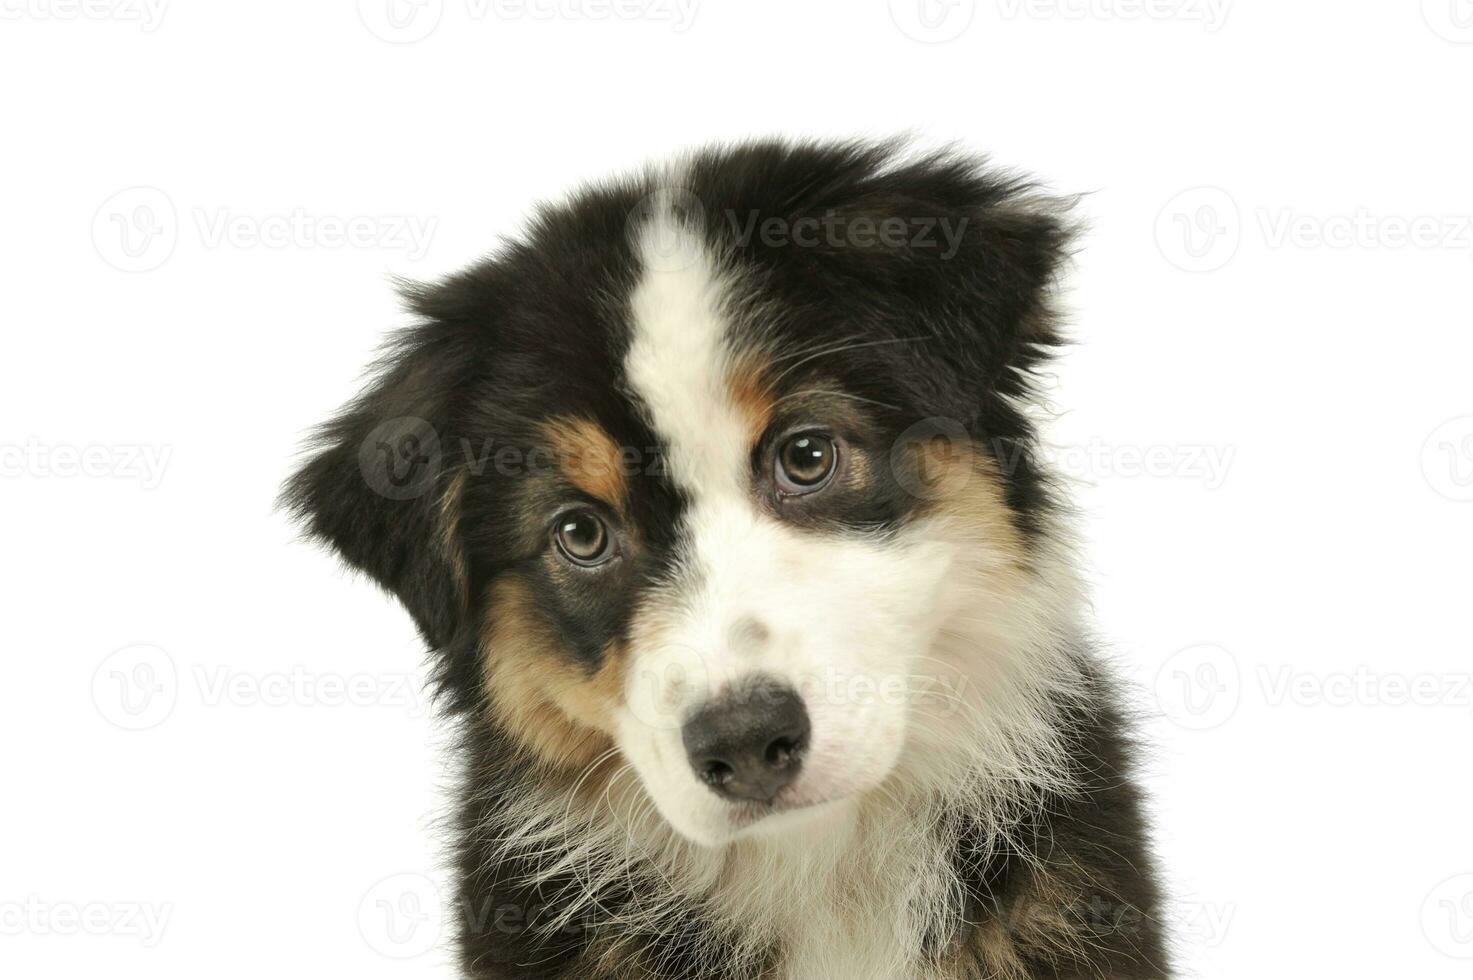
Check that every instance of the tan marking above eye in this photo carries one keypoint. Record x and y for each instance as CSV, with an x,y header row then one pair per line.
x,y
588,457
748,381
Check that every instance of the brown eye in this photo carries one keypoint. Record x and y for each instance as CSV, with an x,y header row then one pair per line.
x,y
805,462
583,538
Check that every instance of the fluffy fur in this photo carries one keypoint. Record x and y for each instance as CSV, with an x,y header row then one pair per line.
x,y
965,807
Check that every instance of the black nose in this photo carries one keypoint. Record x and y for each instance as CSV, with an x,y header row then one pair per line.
x,y
749,744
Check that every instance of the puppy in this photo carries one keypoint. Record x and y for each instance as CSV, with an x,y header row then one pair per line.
x,y
716,496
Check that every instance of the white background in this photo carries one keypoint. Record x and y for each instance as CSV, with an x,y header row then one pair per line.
x,y
1270,413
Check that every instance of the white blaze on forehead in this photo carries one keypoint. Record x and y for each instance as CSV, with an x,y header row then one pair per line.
x,y
679,358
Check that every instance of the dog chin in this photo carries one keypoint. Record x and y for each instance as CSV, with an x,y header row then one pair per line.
x,y
807,819
728,823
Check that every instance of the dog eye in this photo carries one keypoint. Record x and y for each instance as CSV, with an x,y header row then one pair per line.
x,y
805,462
583,538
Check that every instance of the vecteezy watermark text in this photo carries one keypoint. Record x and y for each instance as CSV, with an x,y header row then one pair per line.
x,y
147,14
1200,229
1364,687
1099,460
300,687
1364,228
1202,686
298,228
859,231
408,21
402,459
138,687
35,916
1211,14
138,228
142,462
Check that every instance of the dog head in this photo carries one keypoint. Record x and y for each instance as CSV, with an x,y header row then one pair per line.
x,y
723,472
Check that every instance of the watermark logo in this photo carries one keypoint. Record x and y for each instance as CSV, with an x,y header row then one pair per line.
x,y
1447,459
660,694
1451,20
1202,687
402,916
400,459
136,687
933,21
401,21
136,229
1447,917
931,459
1199,230
1199,687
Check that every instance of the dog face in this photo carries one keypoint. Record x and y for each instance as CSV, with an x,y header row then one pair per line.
x,y
721,474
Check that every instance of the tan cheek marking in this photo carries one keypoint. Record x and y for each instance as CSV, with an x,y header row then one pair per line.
x,y
964,485
536,692
589,458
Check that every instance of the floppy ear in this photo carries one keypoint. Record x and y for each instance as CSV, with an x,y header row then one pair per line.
x,y
382,486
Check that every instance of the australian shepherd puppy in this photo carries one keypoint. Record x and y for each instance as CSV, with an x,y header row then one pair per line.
x,y
717,497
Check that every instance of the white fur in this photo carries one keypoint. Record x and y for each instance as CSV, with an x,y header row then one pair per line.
x,y
932,667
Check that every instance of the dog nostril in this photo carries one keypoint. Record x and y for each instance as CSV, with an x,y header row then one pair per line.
x,y
781,751
749,744
716,773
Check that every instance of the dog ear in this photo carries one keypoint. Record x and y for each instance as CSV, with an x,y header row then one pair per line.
x,y
941,242
987,268
382,486
1017,253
